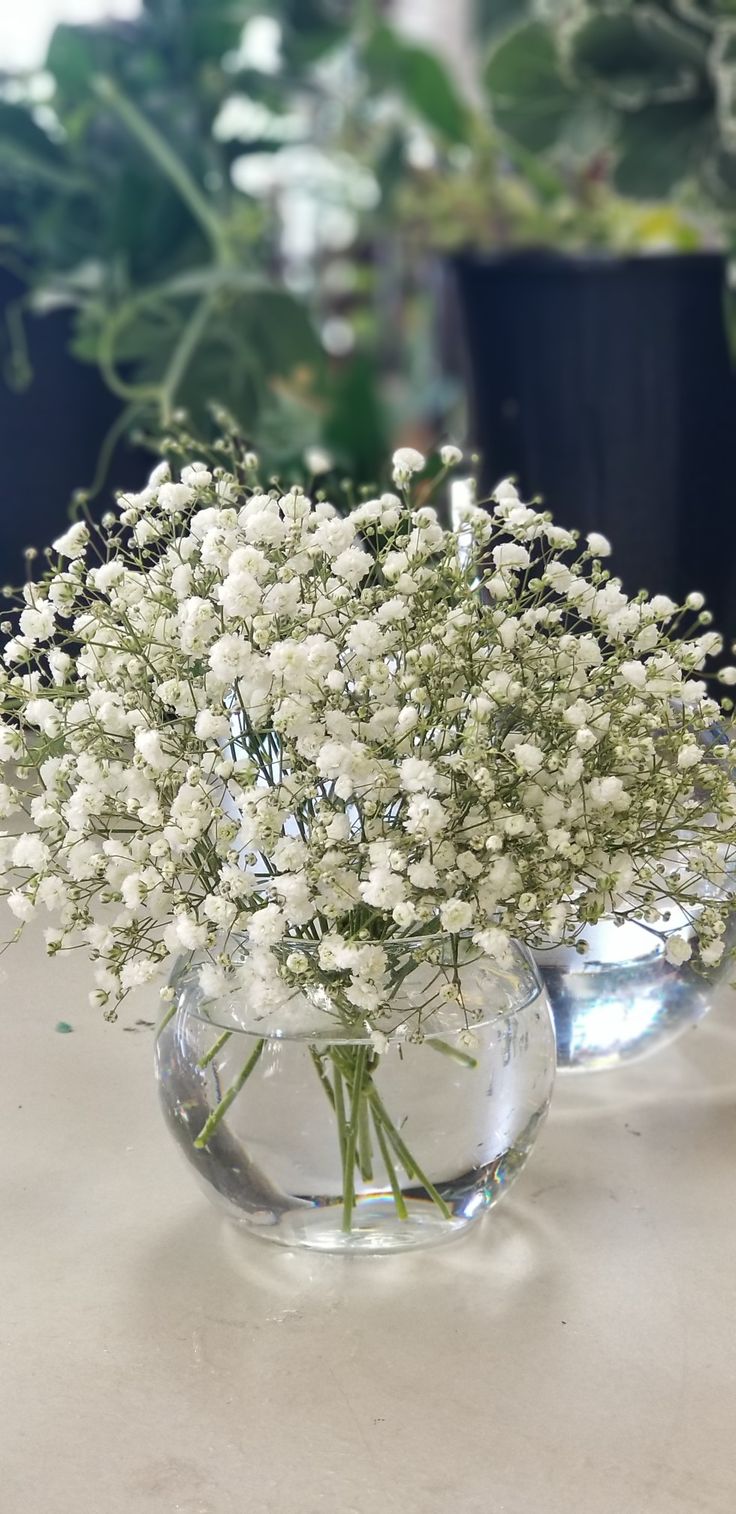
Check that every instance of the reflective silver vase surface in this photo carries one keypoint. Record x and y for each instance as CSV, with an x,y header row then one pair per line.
x,y
438,1129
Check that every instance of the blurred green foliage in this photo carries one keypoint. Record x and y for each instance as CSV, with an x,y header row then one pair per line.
x,y
118,199
600,123
650,84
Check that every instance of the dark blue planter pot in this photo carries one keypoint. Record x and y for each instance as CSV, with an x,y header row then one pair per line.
x,y
606,386
50,437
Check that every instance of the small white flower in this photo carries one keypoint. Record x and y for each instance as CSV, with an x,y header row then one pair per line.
x,y
196,475
352,565
695,600
677,950
230,658
598,545
511,555
689,757
662,607
450,455
20,905
456,914
426,817
605,793
221,912
528,756
318,461
31,852
73,542
417,775
175,496
267,926
37,622
148,745
634,673
506,492
211,725
496,944
423,874
159,475
189,933
406,461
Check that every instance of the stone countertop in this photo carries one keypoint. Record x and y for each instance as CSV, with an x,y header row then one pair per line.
x,y
576,1354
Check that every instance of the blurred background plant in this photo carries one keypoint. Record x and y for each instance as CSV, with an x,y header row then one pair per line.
x,y
649,85
191,186
282,207
494,194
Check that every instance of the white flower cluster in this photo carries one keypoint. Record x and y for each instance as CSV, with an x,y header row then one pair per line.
x,y
234,713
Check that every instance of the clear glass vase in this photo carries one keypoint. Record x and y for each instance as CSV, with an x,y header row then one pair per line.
x,y
309,1135
623,999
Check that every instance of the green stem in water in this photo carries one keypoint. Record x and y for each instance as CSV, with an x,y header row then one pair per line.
x,y
341,1115
210,1055
398,1197
171,1011
447,1050
365,1155
409,1163
217,1115
351,1139
322,1075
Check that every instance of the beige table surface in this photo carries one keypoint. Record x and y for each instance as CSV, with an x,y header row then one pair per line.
x,y
575,1356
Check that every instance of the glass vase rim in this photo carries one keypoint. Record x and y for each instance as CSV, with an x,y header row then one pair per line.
x,y
296,943
333,1031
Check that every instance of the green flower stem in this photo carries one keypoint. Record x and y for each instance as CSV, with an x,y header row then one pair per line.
x,y
365,1155
398,1196
210,1055
447,1050
183,353
161,153
322,1075
217,1115
171,1011
118,428
344,1073
409,1163
351,1139
340,1113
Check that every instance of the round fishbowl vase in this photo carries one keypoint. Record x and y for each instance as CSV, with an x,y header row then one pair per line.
x,y
309,1133
622,1000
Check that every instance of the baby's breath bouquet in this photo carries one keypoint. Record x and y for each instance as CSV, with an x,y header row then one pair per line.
x,y
281,741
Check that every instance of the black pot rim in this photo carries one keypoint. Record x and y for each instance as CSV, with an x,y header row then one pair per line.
x,y
551,258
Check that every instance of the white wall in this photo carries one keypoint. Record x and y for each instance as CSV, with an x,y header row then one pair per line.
x,y
25,28
446,27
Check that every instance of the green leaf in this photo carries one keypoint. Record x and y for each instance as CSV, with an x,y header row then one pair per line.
x,y
19,131
661,145
422,80
495,18
356,429
310,27
529,96
27,152
641,58
77,53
